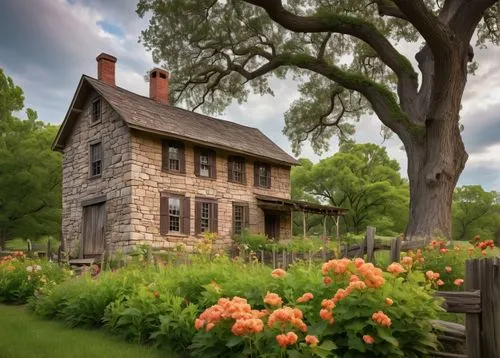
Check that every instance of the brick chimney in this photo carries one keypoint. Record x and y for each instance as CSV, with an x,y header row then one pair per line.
x,y
158,85
106,68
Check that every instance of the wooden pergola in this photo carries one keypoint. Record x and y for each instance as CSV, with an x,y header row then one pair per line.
x,y
279,204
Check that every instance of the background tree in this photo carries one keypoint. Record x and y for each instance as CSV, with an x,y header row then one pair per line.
x,y
363,179
475,211
344,52
30,172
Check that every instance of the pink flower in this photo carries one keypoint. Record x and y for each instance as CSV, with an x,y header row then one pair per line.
x,y
458,282
368,339
273,299
278,273
312,340
306,297
395,268
448,269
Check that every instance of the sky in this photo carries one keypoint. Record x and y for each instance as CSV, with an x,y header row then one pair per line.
x,y
46,45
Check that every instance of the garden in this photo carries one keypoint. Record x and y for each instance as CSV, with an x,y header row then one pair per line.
x,y
217,306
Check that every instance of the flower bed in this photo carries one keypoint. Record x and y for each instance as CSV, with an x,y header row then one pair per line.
x,y
21,277
226,308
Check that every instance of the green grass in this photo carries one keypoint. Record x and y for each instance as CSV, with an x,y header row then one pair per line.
x,y
21,244
25,336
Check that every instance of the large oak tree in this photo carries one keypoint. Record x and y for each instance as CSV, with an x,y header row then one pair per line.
x,y
345,53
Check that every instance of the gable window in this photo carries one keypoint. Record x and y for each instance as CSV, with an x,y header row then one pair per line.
x,y
262,175
236,169
174,214
240,217
206,215
96,111
205,163
173,159
95,159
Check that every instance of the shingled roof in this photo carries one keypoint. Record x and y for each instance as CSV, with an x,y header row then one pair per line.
x,y
144,114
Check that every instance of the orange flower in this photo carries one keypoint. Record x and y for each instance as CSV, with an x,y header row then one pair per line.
x,y
382,319
285,315
389,301
245,326
278,273
440,282
395,268
431,276
326,315
448,269
286,339
209,326
328,304
368,339
327,280
312,340
458,282
340,295
273,299
292,338
306,297
198,324
407,261
443,250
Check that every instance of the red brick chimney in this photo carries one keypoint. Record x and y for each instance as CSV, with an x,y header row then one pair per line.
x,y
106,68
158,85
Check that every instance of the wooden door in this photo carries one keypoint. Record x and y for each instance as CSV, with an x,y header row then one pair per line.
x,y
272,226
93,229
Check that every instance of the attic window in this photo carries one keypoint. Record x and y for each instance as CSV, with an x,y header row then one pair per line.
x,y
96,111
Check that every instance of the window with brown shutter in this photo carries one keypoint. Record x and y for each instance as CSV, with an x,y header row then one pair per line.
x,y
173,157
262,175
240,217
174,214
206,215
205,163
236,169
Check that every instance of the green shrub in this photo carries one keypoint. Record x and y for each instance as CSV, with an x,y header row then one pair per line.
x,y
21,278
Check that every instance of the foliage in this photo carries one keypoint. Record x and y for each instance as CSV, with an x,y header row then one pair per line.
x,y
23,335
475,211
30,176
363,179
21,278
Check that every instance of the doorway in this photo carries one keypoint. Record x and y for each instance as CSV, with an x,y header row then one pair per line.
x,y
272,226
93,229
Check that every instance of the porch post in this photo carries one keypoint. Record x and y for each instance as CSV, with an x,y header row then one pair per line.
x,y
304,223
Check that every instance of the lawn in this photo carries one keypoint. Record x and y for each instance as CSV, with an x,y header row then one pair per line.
x,y
25,336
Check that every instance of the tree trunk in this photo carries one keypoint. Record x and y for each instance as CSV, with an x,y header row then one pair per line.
x,y
3,241
434,166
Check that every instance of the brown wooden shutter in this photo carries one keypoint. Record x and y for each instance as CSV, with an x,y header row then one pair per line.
x,y
186,216
182,158
269,175
213,163
256,173
197,161
230,161
197,217
214,217
246,216
164,155
164,217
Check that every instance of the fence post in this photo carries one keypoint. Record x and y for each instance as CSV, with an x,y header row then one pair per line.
x,y
395,249
274,256
490,307
30,247
370,243
49,250
472,320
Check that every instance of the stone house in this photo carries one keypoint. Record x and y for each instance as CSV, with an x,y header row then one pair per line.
x,y
139,171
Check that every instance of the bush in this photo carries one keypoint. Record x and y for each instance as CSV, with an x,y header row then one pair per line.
x,y
21,277
371,313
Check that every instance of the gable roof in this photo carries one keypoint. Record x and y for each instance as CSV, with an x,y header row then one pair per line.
x,y
145,114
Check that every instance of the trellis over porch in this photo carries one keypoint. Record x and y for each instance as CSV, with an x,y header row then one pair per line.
x,y
274,204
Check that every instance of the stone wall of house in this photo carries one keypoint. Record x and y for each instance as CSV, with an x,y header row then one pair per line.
x,y
148,181
114,183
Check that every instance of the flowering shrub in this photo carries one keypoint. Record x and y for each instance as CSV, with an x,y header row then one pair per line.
x,y
21,278
360,311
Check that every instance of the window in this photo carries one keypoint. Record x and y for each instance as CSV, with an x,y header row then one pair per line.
x,y
236,169
173,157
205,163
96,111
262,175
206,215
240,217
174,214
95,159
